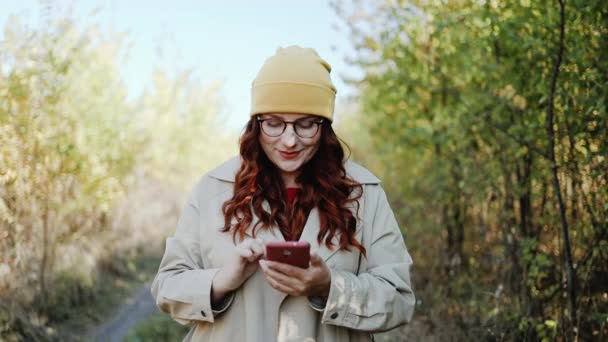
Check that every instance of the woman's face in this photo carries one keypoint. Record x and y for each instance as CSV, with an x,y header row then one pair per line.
x,y
289,151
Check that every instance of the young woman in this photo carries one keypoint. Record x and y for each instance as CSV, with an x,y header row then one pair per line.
x,y
290,183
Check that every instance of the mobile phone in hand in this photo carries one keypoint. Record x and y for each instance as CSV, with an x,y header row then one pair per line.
x,y
296,253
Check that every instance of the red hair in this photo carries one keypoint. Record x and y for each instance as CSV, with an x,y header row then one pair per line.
x,y
323,182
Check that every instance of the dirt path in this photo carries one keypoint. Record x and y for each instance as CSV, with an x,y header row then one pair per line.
x,y
134,310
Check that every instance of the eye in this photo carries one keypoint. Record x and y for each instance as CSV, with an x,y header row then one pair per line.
x,y
274,123
308,123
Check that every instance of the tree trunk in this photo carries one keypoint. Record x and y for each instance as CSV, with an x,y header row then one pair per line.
x,y
571,277
45,253
524,181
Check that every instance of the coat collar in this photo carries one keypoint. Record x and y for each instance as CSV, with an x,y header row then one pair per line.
x,y
227,171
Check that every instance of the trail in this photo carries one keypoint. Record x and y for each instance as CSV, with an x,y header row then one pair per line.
x,y
134,310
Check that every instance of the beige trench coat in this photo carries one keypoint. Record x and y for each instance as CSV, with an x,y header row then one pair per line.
x,y
379,298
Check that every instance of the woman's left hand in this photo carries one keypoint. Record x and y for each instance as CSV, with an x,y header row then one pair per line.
x,y
295,281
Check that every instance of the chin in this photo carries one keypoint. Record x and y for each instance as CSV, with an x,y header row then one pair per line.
x,y
289,166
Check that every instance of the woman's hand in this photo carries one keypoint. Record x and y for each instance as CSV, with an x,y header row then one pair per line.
x,y
240,266
295,281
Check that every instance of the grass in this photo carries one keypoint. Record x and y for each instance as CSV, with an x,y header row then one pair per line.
x,y
158,328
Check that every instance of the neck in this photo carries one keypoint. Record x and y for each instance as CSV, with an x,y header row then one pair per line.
x,y
290,179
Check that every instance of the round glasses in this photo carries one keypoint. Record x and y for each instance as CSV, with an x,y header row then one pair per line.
x,y
304,127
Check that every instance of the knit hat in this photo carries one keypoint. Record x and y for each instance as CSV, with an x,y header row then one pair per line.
x,y
294,80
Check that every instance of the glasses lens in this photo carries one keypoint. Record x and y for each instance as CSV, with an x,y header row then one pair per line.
x,y
307,128
273,127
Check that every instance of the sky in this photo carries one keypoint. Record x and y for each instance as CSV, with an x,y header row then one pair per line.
x,y
224,41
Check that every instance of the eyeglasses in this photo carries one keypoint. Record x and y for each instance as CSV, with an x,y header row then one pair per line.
x,y
305,127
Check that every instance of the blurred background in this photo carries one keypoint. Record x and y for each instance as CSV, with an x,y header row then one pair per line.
x,y
487,121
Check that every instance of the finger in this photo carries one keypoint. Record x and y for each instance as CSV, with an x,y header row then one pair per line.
x,y
254,257
287,269
280,287
278,276
254,248
257,247
244,253
276,283
263,247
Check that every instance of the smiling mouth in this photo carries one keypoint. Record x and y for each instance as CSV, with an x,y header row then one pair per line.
x,y
289,155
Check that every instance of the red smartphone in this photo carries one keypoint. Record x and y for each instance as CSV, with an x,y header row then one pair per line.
x,y
296,253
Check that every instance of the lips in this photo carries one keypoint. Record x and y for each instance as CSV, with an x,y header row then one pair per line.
x,y
289,155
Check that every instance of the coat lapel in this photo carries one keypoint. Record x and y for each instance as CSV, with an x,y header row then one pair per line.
x,y
265,234
310,233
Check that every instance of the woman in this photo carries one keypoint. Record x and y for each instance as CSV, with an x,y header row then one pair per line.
x,y
289,183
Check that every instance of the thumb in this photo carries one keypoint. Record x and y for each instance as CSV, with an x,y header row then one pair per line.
x,y
315,259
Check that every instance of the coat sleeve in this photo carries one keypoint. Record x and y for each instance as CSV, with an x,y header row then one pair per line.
x,y
182,286
380,297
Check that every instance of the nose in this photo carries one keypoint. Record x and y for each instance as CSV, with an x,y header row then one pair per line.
x,y
288,138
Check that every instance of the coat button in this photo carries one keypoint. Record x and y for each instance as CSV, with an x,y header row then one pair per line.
x,y
203,313
334,315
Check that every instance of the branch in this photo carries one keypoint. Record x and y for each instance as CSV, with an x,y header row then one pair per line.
x,y
520,141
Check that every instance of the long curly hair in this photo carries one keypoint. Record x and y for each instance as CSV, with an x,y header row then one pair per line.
x,y
324,185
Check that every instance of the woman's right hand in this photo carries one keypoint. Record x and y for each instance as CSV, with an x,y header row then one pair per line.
x,y
241,264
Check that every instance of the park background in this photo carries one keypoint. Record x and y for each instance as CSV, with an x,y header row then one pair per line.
x,y
486,120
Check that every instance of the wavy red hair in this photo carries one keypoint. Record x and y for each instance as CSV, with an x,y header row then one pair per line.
x,y
324,185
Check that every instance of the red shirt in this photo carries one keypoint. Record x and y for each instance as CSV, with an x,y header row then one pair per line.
x,y
291,195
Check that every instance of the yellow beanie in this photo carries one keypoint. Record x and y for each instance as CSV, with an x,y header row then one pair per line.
x,y
294,80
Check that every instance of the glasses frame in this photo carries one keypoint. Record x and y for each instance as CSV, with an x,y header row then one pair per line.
x,y
317,121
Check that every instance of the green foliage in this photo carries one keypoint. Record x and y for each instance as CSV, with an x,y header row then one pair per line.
x,y
455,96
15,325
